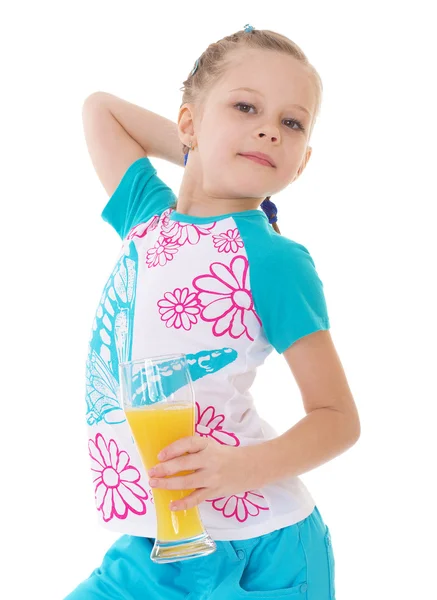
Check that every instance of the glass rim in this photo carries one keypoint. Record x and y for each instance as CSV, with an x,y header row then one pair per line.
x,y
159,358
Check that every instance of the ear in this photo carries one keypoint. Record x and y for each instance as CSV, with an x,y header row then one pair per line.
x,y
186,123
304,162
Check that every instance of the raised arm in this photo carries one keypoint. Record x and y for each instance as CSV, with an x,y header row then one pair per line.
x,y
118,132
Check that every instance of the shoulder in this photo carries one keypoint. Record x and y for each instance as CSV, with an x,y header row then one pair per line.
x,y
283,268
285,254
288,248
265,246
143,175
140,194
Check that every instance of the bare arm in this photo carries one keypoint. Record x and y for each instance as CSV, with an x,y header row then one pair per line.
x,y
319,437
332,424
118,133
157,135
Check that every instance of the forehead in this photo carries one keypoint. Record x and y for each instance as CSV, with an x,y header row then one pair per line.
x,y
273,74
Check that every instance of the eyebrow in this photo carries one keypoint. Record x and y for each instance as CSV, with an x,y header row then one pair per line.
x,y
257,92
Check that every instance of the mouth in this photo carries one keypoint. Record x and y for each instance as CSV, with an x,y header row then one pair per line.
x,y
258,159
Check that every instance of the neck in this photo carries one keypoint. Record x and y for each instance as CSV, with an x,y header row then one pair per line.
x,y
193,201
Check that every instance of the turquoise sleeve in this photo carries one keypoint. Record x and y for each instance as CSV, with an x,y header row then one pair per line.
x,y
287,291
139,195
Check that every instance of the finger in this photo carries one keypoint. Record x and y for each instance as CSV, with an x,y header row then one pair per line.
x,y
187,482
190,501
193,443
181,464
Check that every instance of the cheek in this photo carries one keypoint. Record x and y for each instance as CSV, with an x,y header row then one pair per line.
x,y
218,157
219,142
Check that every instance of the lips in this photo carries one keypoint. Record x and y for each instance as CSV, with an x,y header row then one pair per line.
x,y
260,158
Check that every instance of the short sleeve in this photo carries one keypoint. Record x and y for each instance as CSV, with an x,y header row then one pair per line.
x,y
139,195
289,295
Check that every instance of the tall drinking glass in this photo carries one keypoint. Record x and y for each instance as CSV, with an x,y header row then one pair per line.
x,y
158,400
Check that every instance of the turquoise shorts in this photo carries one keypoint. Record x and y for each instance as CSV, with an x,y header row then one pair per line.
x,y
294,562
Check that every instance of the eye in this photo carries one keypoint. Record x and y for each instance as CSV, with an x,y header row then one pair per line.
x,y
243,104
294,121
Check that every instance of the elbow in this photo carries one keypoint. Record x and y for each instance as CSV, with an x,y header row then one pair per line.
x,y
351,426
355,430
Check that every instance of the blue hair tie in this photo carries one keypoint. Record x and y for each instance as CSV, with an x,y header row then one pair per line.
x,y
248,28
196,66
270,209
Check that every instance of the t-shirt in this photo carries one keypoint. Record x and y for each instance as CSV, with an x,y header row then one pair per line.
x,y
225,291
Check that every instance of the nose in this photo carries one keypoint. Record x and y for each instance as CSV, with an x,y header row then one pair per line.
x,y
274,138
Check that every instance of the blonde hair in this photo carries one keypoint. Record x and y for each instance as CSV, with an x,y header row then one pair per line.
x,y
217,58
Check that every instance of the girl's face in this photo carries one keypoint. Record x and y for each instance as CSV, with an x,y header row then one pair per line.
x,y
274,117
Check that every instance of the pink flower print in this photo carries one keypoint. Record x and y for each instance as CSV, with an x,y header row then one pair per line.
x,y
117,489
165,219
209,424
227,301
161,253
179,309
228,242
143,229
181,233
240,506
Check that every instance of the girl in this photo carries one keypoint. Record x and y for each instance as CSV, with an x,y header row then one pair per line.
x,y
207,275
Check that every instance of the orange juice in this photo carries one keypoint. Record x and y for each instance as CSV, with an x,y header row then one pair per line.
x,y
154,428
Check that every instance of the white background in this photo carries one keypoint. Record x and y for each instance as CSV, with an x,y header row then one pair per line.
x,y
362,207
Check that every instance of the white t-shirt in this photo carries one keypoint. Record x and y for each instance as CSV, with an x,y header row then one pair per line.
x,y
225,291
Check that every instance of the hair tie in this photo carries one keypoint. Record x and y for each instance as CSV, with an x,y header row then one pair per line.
x,y
270,209
196,66
248,28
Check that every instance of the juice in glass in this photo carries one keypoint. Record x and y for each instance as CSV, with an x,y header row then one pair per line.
x,y
154,428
